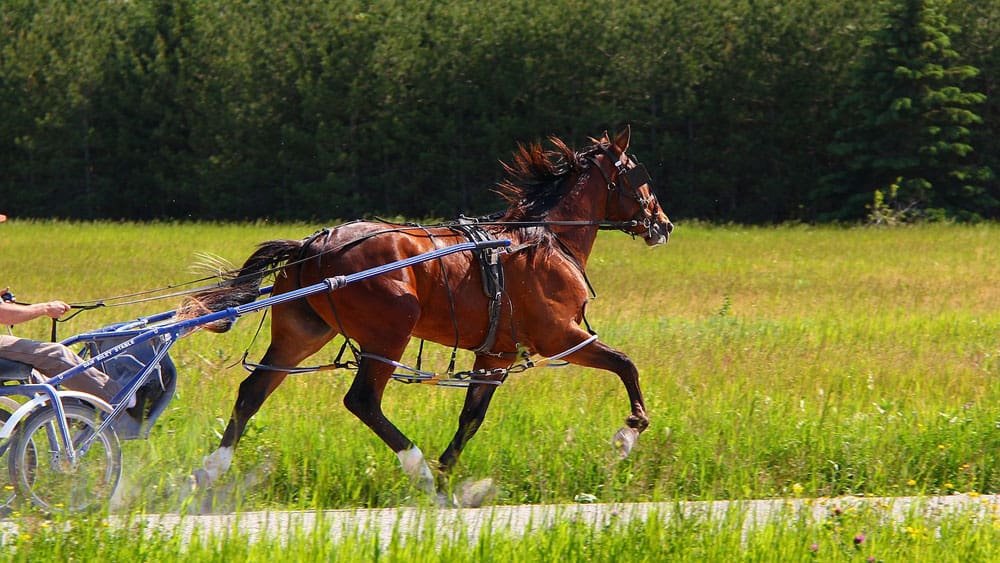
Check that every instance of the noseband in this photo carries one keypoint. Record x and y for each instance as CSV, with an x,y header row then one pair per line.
x,y
631,179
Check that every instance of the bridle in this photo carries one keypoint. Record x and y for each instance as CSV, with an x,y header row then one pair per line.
x,y
630,179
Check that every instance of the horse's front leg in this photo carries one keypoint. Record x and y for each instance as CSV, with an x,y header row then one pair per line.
x,y
599,355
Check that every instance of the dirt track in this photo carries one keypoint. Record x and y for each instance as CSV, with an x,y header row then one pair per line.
x,y
517,520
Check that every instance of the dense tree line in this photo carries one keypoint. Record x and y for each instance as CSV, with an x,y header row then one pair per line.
x,y
324,109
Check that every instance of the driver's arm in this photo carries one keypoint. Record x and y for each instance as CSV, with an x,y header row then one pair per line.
x,y
14,313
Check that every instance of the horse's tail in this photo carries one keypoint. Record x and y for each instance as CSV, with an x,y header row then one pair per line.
x,y
242,287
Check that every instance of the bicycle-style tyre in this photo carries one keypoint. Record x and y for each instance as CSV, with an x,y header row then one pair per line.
x,y
7,490
7,493
40,469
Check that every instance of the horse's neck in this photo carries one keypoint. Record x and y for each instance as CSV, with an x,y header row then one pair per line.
x,y
579,206
577,241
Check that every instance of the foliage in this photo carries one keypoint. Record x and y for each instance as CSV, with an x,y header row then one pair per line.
x,y
910,120
323,109
886,210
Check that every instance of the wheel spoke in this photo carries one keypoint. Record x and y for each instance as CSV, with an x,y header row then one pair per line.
x,y
47,476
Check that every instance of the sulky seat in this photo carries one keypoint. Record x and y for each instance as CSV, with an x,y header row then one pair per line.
x,y
14,371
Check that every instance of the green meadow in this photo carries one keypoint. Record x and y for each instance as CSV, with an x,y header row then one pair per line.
x,y
775,361
832,360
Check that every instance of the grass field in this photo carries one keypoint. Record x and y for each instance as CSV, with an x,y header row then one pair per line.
x,y
775,361
859,533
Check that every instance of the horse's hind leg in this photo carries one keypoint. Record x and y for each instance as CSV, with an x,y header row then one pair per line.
x,y
253,391
364,400
288,347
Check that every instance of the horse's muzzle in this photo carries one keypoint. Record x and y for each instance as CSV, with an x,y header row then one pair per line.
x,y
658,232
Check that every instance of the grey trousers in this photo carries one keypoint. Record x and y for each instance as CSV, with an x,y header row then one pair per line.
x,y
51,358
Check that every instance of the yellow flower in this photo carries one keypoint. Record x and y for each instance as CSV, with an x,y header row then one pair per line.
x,y
949,486
797,489
912,482
915,533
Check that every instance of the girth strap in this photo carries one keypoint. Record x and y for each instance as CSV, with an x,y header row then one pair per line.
x,y
492,273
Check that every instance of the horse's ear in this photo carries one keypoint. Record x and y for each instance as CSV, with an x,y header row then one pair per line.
x,y
604,137
622,139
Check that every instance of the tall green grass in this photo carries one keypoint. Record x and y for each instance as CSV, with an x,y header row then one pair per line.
x,y
856,535
827,361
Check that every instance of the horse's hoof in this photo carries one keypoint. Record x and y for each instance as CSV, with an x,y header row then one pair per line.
x,y
473,494
624,441
443,500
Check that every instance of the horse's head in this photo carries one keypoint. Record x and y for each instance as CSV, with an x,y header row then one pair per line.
x,y
630,194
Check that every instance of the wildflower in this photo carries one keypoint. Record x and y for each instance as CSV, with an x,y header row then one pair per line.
x,y
814,548
797,489
916,533
859,539
912,482
973,494
949,486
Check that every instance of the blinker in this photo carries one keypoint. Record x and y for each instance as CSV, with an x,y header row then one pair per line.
x,y
637,176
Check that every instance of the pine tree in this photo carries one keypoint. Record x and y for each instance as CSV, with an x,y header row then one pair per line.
x,y
908,122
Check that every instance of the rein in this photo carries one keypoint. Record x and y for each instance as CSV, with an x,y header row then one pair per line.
x,y
118,300
227,276
602,225
620,176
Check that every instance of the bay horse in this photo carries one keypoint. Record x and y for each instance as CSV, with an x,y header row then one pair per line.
x,y
558,199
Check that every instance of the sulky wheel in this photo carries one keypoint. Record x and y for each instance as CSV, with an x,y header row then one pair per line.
x,y
7,492
42,471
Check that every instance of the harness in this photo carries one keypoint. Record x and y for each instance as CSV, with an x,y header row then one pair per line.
x,y
492,280
633,178
492,274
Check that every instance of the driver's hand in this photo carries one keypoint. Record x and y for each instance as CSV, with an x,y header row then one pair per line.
x,y
55,309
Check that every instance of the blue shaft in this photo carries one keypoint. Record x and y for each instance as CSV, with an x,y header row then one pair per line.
x,y
179,328
333,283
